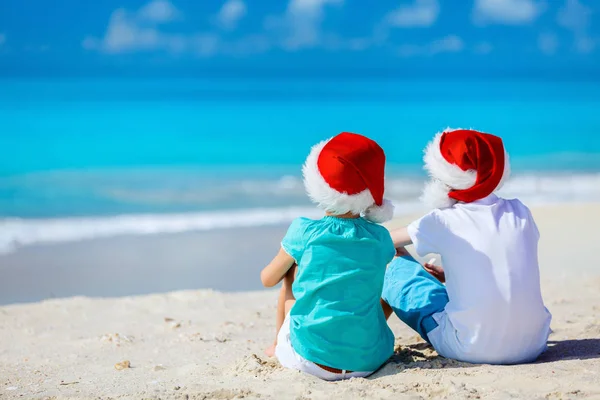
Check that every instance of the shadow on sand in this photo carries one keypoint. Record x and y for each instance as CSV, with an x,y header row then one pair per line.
x,y
422,355
418,355
576,349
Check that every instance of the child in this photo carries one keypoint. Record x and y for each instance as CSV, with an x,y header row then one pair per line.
x,y
334,326
491,309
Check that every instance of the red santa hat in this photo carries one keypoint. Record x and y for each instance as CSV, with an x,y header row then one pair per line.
x,y
465,165
346,174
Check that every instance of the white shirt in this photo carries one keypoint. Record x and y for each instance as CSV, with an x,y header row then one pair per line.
x,y
495,312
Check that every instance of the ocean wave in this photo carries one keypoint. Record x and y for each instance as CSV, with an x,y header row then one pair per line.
x,y
553,188
17,232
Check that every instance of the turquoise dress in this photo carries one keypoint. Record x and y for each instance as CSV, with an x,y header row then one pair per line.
x,y
337,320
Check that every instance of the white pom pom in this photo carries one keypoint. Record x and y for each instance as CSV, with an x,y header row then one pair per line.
x,y
380,214
435,195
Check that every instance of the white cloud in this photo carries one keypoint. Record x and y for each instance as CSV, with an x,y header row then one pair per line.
x,y
159,11
203,44
139,31
576,17
548,43
124,34
448,44
422,13
510,12
252,44
230,14
336,43
358,44
300,26
585,44
90,43
483,48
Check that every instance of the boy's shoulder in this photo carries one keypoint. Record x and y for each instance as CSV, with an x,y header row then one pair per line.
x,y
515,201
434,217
517,205
502,206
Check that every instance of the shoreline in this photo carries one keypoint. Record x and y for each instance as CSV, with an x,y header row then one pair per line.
x,y
137,265
161,263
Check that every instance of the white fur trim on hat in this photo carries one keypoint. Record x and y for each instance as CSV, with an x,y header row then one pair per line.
x,y
336,202
380,214
435,195
446,176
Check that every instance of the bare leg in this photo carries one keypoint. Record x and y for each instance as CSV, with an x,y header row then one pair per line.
x,y
284,304
387,310
289,298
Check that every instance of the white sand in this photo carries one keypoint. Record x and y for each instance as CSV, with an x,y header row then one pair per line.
x,y
212,348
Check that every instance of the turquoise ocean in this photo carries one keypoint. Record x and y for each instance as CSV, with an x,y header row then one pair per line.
x,y
82,159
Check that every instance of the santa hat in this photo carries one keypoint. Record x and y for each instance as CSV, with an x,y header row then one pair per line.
x,y
346,174
465,165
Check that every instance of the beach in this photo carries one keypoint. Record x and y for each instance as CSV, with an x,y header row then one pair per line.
x,y
207,344
153,154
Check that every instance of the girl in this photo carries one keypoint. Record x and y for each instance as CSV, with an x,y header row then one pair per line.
x,y
329,319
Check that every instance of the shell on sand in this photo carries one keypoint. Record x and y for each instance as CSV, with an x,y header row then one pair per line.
x,y
122,365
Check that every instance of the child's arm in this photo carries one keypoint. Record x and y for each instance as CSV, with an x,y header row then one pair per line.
x,y
273,273
400,237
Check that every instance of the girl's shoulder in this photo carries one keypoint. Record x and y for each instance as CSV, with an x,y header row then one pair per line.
x,y
302,222
376,228
301,226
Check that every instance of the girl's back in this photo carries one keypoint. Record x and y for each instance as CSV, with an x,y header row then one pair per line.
x,y
330,323
337,319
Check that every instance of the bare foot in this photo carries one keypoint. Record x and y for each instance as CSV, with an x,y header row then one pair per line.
x,y
270,351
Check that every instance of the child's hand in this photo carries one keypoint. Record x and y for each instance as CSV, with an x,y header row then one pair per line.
x,y
436,271
401,252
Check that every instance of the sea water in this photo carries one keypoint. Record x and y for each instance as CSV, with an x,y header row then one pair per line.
x,y
82,159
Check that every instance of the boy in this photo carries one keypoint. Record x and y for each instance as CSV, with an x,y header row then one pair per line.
x,y
491,308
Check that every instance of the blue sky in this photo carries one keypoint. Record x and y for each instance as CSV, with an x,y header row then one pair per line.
x,y
329,37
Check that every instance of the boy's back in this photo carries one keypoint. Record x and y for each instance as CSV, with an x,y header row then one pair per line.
x,y
489,251
491,308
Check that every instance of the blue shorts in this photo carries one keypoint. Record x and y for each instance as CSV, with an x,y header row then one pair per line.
x,y
414,294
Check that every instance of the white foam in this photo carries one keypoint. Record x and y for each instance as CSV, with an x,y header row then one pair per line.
x,y
17,232
553,188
